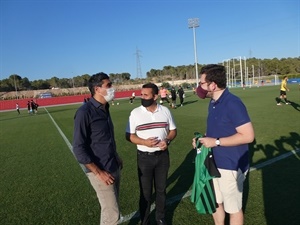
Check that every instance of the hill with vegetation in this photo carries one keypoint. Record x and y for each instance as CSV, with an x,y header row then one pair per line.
x,y
169,74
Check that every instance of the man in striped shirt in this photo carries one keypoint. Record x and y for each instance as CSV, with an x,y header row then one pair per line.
x,y
152,128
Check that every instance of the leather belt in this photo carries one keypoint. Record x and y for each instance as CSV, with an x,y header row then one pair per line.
x,y
150,153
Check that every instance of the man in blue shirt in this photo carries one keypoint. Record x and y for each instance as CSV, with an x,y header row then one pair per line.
x,y
94,146
229,131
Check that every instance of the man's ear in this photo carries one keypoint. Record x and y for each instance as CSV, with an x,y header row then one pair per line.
x,y
214,86
155,97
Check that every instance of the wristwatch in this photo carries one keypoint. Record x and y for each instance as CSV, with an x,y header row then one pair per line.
x,y
218,143
168,141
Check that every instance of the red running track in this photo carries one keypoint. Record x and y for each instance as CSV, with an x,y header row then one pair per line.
x,y
11,104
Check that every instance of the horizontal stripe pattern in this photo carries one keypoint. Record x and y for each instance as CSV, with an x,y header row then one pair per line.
x,y
149,126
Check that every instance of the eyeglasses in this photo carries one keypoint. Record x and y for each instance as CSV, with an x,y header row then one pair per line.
x,y
208,83
107,85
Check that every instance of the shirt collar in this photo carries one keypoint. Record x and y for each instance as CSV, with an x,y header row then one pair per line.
x,y
223,95
98,104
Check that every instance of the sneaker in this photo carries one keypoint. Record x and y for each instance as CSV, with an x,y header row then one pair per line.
x,y
181,105
287,103
278,103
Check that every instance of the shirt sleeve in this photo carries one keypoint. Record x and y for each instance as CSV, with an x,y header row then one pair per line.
x,y
131,126
238,113
172,125
81,138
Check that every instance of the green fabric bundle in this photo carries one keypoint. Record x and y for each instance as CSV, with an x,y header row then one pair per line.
x,y
203,194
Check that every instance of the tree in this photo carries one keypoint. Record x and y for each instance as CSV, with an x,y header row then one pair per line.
x,y
25,83
6,86
15,81
65,83
85,78
263,67
78,81
40,84
54,81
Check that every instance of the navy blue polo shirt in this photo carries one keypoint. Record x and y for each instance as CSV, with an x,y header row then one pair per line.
x,y
224,115
93,140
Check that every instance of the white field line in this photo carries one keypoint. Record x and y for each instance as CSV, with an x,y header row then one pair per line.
x,y
180,196
64,137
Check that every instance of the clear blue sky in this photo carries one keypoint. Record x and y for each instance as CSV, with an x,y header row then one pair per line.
x,y
40,39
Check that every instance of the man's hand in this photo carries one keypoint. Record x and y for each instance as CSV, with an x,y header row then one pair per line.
x,y
151,142
102,175
105,177
194,143
208,142
163,145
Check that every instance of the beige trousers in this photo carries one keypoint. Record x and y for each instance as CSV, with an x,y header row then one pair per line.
x,y
108,197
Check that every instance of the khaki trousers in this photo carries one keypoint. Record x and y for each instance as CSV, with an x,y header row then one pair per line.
x,y
108,197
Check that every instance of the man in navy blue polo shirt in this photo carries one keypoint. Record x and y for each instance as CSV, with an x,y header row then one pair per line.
x,y
94,146
229,131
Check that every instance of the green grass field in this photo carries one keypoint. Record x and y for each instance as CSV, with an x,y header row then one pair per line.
x,y
41,182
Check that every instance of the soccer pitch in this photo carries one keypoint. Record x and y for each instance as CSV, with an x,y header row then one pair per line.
x,y
41,182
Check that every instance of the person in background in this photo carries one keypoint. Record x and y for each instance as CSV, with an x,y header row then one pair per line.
x,y
163,92
94,146
229,131
18,108
181,95
29,107
152,128
32,104
132,98
173,97
283,90
36,107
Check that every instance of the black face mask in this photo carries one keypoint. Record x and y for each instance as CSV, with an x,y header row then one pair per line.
x,y
147,102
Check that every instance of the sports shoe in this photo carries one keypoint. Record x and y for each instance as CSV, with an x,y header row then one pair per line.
x,y
287,103
278,103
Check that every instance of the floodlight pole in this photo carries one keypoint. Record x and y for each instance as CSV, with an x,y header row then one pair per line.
x,y
241,68
253,75
193,23
227,70
16,87
241,71
246,71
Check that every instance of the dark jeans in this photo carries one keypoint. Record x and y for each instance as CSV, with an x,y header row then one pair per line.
x,y
152,168
181,100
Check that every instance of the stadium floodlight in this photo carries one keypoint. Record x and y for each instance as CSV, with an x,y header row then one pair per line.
x,y
193,23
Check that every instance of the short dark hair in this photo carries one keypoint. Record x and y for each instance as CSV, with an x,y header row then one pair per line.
x,y
96,80
215,73
152,86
